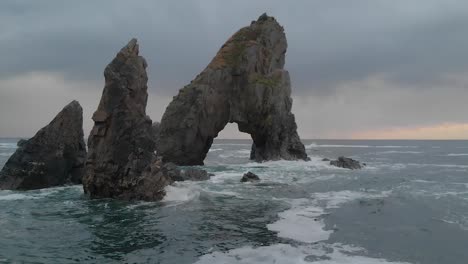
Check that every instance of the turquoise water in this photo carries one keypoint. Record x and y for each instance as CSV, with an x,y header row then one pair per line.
x,y
410,205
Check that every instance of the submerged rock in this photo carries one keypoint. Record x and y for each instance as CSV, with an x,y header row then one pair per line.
x,y
121,162
250,177
194,174
347,163
54,156
245,83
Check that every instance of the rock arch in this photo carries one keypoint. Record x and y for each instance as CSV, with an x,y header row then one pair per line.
x,y
245,83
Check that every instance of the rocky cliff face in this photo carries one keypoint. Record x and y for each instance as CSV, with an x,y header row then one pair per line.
x,y
246,84
54,156
121,143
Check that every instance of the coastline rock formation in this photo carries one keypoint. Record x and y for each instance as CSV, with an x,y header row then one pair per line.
x,y
347,163
246,84
121,162
54,156
250,177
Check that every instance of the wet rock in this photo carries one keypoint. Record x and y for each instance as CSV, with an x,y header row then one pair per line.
x,y
192,174
347,163
245,83
325,159
250,177
121,162
21,142
54,156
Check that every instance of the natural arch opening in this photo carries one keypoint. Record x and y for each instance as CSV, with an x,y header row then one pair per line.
x,y
246,84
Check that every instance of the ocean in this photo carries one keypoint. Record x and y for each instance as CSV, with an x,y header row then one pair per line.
x,y
409,205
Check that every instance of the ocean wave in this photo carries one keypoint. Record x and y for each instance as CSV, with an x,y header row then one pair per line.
x,y
242,153
8,145
231,144
289,254
457,154
8,195
303,221
181,192
215,149
6,154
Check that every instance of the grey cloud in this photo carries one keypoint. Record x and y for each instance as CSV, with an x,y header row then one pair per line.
x,y
335,49
329,41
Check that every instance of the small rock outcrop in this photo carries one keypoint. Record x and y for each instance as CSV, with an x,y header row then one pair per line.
x,y
121,162
245,83
250,177
347,163
54,156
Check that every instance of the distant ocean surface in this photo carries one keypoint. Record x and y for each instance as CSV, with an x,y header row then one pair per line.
x,y
409,205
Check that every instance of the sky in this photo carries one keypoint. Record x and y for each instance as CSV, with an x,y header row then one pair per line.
x,y
361,69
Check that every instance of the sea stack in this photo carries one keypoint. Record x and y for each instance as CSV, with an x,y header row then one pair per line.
x,y
54,156
245,83
121,162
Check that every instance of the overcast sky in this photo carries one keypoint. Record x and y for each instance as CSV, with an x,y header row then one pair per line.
x,y
359,69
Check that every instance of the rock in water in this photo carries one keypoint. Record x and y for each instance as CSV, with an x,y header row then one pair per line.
x,y
347,163
121,161
246,84
54,156
250,177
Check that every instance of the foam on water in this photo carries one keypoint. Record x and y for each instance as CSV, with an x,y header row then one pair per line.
x,y
230,144
288,254
181,192
302,222
7,195
243,153
457,154
8,145
215,149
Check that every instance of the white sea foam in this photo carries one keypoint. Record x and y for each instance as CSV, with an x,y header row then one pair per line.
x,y
35,194
213,150
8,145
302,222
335,199
242,153
231,144
15,196
457,154
181,192
288,254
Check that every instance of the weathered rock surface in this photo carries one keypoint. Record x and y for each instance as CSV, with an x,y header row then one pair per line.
x,y
347,163
193,174
246,84
121,162
250,177
54,156
184,174
155,127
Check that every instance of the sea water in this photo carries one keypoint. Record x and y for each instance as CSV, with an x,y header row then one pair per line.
x,y
409,205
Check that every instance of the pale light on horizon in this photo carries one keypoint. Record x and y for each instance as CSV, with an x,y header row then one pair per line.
x,y
448,131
